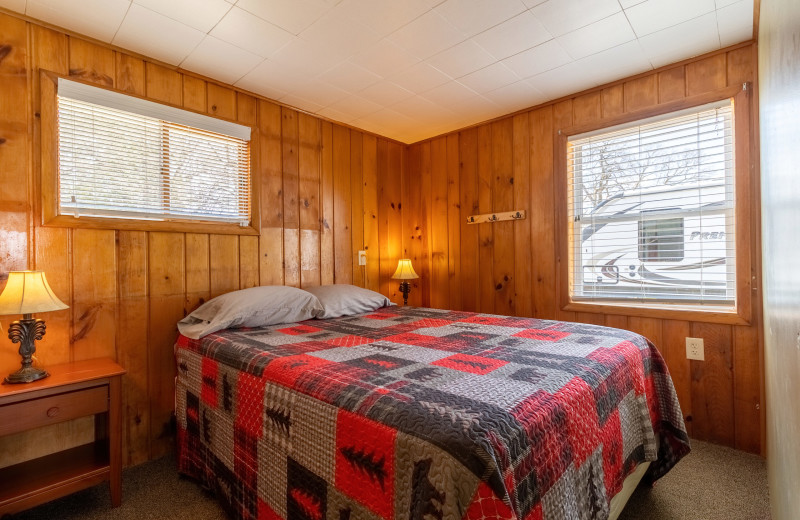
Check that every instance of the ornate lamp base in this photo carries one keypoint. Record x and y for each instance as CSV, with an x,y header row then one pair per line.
x,y
405,288
25,332
26,375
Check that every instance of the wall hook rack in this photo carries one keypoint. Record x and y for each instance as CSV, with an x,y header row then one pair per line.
x,y
496,217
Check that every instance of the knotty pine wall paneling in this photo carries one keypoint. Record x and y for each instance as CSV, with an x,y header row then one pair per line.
x,y
326,192
513,267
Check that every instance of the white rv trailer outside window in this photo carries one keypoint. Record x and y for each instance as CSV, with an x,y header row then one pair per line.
x,y
651,208
125,157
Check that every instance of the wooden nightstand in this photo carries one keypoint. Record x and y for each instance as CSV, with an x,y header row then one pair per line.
x,y
73,390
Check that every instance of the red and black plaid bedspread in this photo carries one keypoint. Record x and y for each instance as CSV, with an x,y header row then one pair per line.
x,y
422,413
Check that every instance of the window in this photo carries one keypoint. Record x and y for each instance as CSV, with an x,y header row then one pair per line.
x,y
652,210
123,157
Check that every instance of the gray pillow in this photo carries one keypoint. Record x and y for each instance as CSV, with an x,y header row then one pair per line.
x,y
346,300
254,307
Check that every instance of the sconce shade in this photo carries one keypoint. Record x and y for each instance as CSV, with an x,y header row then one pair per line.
x,y
27,292
405,271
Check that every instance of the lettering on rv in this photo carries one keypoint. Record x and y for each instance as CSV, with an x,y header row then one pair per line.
x,y
707,235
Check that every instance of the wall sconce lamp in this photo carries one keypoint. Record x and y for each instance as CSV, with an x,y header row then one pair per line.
x,y
27,292
405,271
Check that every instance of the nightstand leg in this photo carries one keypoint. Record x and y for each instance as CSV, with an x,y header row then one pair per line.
x,y
115,440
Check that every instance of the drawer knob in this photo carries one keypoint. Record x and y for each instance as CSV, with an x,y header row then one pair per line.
x,y
52,412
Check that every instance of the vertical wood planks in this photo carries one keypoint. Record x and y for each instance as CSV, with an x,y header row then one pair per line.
x,y
454,221
224,263
439,283
94,298
542,214
342,232
371,232
309,199
712,385
673,348
132,340
167,289
503,200
291,184
327,209
523,302
390,227
412,216
486,275
468,153
356,205
270,247
198,270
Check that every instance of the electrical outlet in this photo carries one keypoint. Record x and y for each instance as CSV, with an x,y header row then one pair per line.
x,y
362,258
695,349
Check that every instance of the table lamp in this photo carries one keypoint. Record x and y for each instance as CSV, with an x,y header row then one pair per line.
x,y
405,271
27,292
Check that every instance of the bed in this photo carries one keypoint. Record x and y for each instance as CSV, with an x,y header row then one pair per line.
x,y
420,413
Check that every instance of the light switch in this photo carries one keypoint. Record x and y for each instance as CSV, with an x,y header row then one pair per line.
x,y
362,258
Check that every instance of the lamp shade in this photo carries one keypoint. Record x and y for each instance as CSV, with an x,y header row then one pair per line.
x,y
28,292
405,271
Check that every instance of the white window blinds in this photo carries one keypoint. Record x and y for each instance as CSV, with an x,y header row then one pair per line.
x,y
125,157
651,210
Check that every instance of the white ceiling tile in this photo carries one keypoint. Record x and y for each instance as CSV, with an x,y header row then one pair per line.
x,y
723,3
629,3
533,3
420,77
546,56
200,14
221,60
385,118
384,58
350,77
513,36
735,22
513,97
427,35
682,41
318,92
599,36
303,104
335,115
615,63
251,33
384,16
340,35
14,5
565,80
448,94
356,106
292,15
562,16
654,15
461,59
385,93
270,77
475,16
95,18
417,107
303,58
152,34
489,78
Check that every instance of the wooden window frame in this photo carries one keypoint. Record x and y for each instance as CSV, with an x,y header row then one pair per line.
x,y
741,313
49,177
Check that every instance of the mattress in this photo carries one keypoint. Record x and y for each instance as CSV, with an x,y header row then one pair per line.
x,y
419,413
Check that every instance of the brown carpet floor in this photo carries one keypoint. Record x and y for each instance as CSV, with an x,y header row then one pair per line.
x,y
711,483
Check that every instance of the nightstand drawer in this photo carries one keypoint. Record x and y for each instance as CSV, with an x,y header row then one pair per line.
x,y
25,415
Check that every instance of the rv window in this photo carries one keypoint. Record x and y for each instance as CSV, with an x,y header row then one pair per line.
x,y
651,210
661,240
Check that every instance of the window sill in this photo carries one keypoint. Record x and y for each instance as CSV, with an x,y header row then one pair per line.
x,y
183,226
664,311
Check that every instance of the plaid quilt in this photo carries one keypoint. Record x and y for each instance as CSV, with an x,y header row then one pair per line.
x,y
414,413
